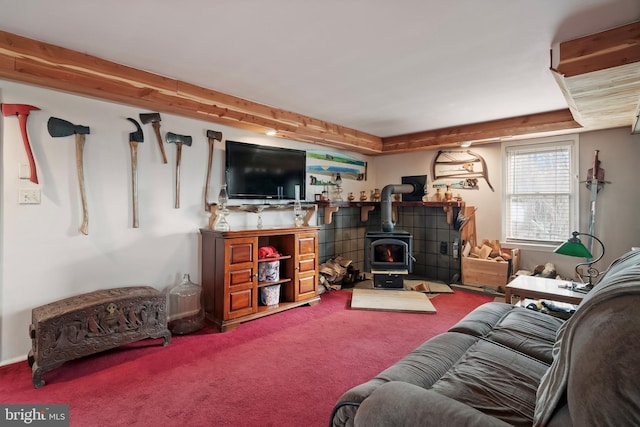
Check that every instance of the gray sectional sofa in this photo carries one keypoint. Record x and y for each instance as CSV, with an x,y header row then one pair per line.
x,y
504,365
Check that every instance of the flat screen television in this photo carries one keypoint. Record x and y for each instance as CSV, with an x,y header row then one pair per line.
x,y
262,172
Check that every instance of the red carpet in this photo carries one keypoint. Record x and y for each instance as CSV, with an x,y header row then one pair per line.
x,y
282,370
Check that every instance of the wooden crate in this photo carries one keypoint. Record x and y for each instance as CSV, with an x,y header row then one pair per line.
x,y
490,273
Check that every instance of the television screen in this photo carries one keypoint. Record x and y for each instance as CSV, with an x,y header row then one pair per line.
x,y
261,172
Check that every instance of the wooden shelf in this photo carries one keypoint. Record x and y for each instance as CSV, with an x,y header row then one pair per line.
x,y
263,284
310,210
365,207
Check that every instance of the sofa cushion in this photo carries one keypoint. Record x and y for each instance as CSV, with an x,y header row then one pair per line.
x,y
523,330
528,332
495,380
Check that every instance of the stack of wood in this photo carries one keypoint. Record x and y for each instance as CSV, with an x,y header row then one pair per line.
x,y
489,249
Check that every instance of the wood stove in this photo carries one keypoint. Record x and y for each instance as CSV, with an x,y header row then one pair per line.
x,y
388,255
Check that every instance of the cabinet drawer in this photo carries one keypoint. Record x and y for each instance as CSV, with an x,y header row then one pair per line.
x,y
240,252
305,265
240,303
307,286
241,278
307,245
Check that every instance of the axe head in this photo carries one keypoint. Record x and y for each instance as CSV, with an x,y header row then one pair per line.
x,y
17,109
58,127
136,136
212,134
173,138
147,118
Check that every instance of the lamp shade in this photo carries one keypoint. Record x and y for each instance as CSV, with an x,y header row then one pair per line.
x,y
573,247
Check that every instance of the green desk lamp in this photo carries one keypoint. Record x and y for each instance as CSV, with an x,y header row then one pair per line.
x,y
574,247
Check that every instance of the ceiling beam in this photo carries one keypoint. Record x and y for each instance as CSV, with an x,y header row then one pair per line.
x,y
599,76
607,49
42,64
482,133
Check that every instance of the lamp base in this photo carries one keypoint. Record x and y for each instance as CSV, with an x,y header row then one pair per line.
x,y
583,288
578,287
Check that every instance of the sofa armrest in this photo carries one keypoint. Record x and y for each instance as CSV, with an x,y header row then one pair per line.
x,y
402,404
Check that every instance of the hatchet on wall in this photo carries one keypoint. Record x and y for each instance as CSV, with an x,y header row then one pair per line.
x,y
22,111
212,136
135,138
179,140
154,119
59,128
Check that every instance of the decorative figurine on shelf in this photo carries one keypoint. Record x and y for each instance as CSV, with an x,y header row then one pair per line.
x,y
222,212
259,209
298,221
351,197
363,196
438,195
375,197
425,197
337,191
448,195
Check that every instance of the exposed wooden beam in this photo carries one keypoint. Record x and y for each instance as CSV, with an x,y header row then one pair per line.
x,y
607,49
34,62
599,76
482,133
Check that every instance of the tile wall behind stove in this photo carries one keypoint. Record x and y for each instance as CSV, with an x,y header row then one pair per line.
x,y
345,236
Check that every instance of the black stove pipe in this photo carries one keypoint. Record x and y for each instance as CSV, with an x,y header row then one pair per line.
x,y
385,203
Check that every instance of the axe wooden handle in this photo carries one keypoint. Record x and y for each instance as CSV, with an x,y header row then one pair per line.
x,y
133,145
178,156
84,228
156,129
206,186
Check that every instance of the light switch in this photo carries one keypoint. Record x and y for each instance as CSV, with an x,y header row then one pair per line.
x,y
24,172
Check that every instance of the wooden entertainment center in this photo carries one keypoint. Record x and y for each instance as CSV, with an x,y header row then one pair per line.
x,y
230,272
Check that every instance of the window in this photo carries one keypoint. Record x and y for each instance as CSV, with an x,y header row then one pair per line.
x,y
540,182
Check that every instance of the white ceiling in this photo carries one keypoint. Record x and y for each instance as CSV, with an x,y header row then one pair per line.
x,y
379,66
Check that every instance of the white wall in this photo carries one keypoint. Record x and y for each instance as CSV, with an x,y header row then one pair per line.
x,y
618,204
44,258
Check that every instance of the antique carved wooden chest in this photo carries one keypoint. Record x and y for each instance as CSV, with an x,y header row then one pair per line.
x,y
93,322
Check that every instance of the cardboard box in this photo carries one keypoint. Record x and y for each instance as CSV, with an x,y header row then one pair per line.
x,y
488,272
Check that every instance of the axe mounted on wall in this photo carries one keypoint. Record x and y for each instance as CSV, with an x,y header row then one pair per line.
x,y
179,140
135,138
22,111
212,136
58,128
154,119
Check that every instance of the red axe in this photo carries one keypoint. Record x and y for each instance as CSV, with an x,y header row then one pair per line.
x,y
22,111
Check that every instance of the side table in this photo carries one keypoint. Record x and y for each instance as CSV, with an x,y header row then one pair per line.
x,y
542,288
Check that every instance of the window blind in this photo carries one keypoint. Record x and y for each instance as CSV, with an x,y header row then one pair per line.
x,y
539,193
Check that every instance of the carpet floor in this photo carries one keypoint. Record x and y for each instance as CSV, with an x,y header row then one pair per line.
x,y
288,369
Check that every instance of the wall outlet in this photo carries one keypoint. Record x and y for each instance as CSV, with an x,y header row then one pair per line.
x,y
29,196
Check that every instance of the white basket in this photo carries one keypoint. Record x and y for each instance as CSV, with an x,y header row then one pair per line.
x,y
268,271
270,295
